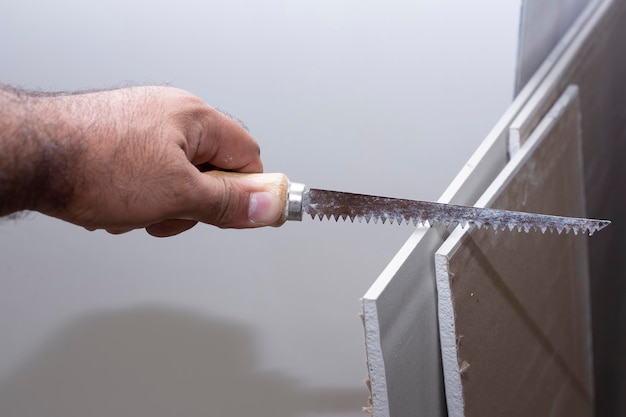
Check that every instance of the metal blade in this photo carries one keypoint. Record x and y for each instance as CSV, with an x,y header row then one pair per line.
x,y
334,204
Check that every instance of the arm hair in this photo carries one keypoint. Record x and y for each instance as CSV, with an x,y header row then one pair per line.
x,y
36,166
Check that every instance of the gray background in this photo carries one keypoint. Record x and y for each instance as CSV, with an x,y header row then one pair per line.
x,y
386,97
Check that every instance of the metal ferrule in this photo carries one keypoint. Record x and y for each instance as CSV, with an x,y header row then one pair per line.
x,y
293,209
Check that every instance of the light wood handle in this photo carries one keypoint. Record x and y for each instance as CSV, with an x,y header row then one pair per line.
x,y
275,183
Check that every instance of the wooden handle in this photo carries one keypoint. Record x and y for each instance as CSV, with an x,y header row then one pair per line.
x,y
275,183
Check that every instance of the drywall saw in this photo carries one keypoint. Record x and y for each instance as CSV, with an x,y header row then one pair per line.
x,y
299,200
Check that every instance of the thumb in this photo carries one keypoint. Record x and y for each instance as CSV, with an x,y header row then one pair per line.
x,y
237,200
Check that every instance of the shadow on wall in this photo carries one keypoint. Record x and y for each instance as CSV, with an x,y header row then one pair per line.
x,y
155,362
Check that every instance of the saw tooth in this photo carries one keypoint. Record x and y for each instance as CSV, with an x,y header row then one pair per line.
x,y
543,229
352,217
575,230
559,229
360,219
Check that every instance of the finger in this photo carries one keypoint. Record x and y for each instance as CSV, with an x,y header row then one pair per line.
x,y
230,202
117,231
171,227
225,144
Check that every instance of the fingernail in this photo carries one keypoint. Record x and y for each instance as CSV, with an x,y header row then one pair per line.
x,y
264,208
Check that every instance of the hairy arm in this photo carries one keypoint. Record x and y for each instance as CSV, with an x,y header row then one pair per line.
x,y
34,162
125,159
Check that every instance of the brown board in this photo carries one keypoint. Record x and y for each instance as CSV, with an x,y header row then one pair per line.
x,y
514,309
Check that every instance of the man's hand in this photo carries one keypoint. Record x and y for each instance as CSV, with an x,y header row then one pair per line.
x,y
126,159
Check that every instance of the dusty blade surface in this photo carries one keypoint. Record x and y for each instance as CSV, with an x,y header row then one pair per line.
x,y
335,204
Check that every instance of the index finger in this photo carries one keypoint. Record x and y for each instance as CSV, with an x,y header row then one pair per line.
x,y
225,144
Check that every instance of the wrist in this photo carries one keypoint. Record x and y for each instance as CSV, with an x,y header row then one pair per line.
x,y
38,158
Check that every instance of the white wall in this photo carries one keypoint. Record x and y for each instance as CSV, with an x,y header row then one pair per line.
x,y
369,96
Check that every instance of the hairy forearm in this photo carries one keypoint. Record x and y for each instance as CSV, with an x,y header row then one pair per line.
x,y
37,159
127,158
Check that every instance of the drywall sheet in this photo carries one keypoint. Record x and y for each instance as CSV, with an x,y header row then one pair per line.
x,y
400,309
594,62
542,24
514,311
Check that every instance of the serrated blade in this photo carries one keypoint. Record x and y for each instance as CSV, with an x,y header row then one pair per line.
x,y
341,205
